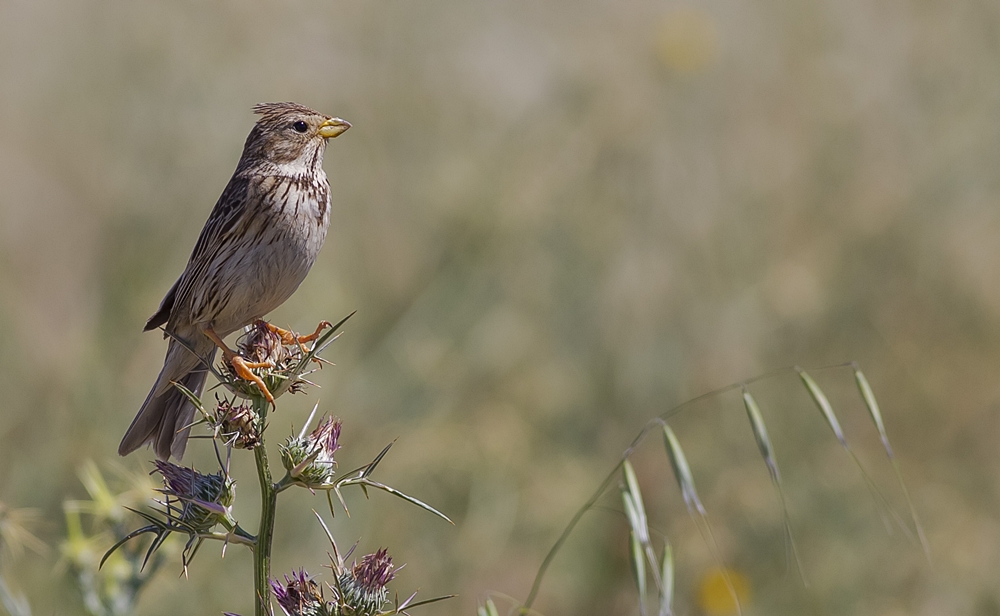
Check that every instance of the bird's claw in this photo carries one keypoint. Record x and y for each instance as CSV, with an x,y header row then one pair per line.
x,y
288,337
244,370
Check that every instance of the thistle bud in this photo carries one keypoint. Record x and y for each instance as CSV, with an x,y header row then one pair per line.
x,y
237,424
205,500
361,590
309,458
300,595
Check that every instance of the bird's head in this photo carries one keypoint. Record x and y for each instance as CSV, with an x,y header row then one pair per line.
x,y
289,134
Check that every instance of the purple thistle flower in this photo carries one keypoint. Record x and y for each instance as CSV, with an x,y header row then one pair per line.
x,y
309,459
299,595
361,590
204,499
374,571
327,435
178,479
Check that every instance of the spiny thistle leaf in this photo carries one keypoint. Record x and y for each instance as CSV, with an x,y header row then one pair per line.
x,y
158,529
407,605
338,562
365,482
374,463
320,344
194,399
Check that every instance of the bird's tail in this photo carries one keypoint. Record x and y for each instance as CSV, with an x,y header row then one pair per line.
x,y
165,417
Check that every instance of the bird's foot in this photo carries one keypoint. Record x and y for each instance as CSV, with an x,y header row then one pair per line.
x,y
288,337
241,367
244,370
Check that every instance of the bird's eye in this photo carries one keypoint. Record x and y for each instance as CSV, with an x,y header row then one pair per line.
x,y
300,126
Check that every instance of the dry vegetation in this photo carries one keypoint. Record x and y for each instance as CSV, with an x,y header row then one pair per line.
x,y
556,220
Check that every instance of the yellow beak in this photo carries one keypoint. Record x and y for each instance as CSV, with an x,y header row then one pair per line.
x,y
333,127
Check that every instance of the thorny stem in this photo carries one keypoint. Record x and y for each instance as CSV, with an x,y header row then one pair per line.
x,y
265,533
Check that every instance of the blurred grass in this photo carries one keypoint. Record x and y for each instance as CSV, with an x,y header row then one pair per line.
x,y
556,220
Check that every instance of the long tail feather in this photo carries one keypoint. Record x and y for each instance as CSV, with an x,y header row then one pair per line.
x,y
165,417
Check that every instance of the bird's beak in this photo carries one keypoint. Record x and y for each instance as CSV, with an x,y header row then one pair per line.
x,y
333,127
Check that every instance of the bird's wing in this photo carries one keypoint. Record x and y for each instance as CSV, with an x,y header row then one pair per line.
x,y
230,208
162,314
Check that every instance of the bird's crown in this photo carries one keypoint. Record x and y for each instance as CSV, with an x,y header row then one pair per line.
x,y
277,110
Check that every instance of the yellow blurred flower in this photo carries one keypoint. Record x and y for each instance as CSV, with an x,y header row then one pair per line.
x,y
687,40
715,596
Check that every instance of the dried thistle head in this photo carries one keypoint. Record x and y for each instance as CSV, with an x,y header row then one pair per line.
x,y
309,459
262,344
285,364
204,500
237,424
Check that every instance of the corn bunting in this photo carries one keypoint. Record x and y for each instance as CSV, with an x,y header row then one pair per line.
x,y
259,242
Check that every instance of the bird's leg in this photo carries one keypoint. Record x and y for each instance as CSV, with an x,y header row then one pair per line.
x,y
241,367
289,337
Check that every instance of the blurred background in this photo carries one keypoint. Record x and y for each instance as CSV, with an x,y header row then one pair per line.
x,y
556,220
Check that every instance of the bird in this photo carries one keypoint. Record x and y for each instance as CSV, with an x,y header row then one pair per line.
x,y
258,244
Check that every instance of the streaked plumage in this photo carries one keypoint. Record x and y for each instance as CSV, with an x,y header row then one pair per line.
x,y
257,246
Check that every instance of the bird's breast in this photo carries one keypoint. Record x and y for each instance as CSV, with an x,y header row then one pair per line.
x,y
256,274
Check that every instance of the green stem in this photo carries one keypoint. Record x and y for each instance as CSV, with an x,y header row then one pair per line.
x,y
265,533
284,483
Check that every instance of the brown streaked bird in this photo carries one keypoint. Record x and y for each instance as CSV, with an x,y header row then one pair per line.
x,y
258,244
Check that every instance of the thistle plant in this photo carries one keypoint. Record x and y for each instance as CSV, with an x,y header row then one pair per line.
x,y
199,505
309,458
358,590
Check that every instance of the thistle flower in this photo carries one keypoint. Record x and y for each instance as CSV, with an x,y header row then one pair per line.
x,y
300,595
374,571
204,499
262,344
236,423
361,590
281,359
309,459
